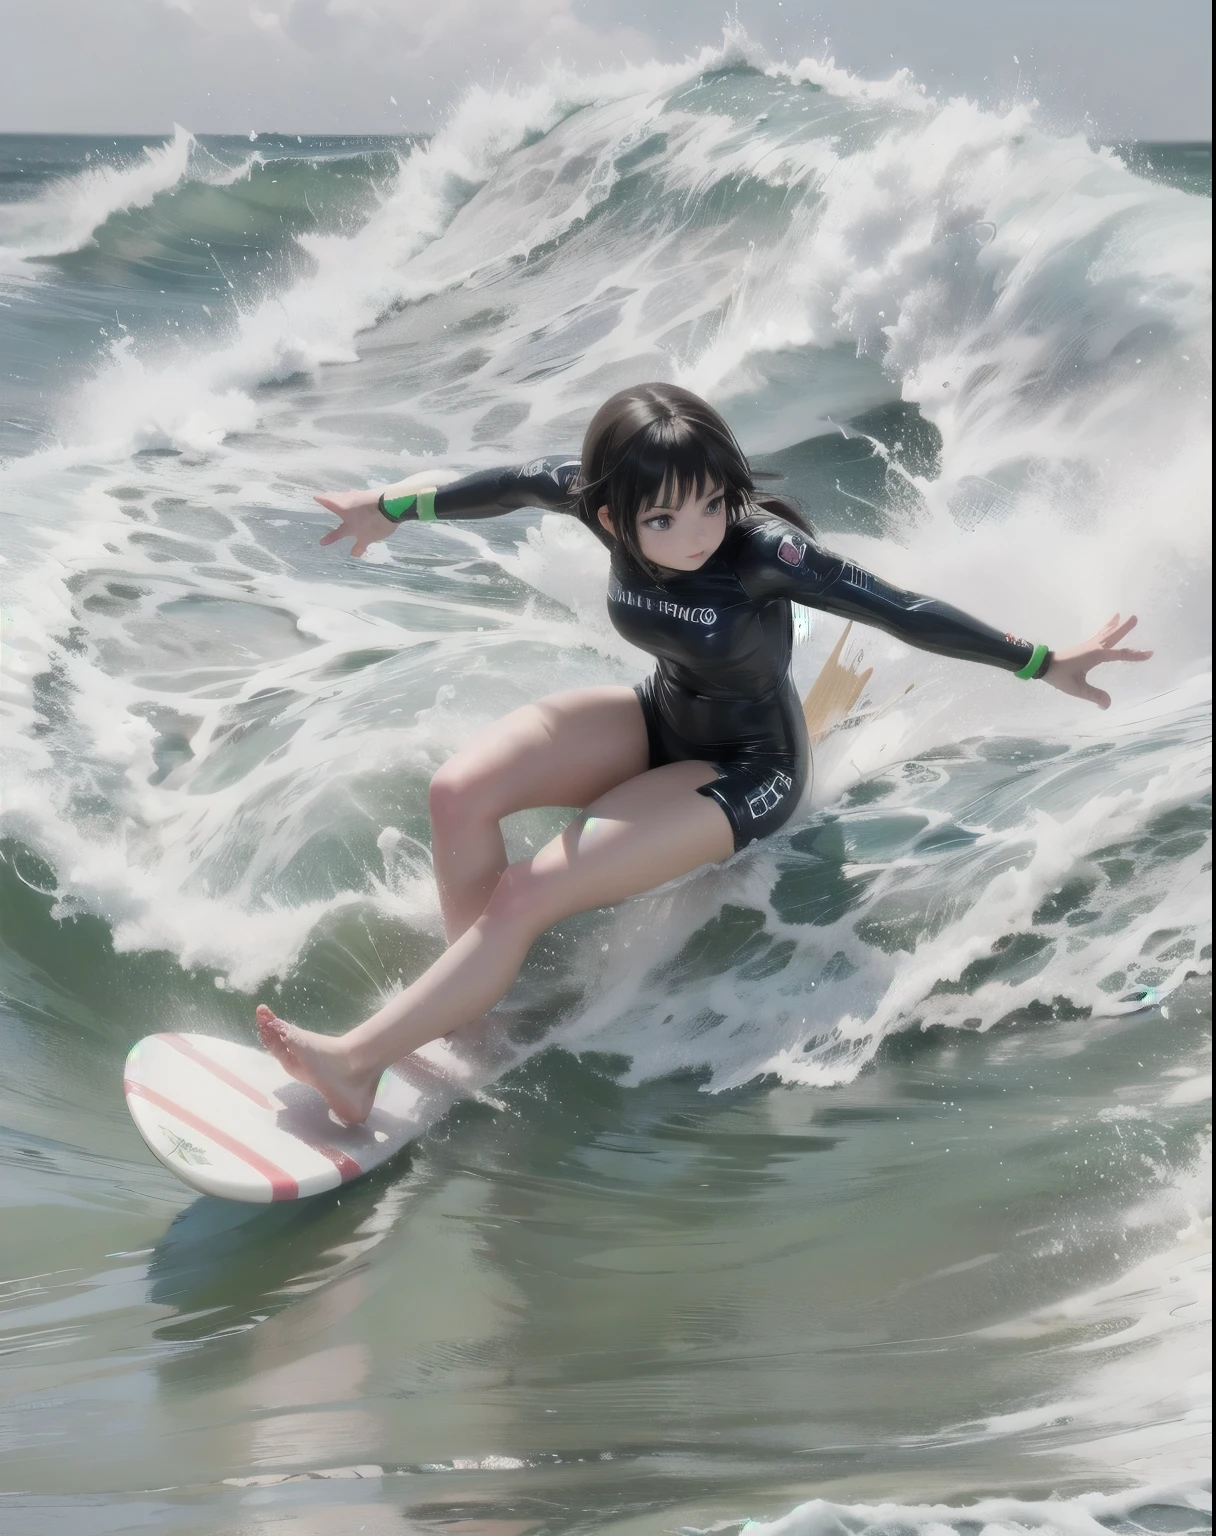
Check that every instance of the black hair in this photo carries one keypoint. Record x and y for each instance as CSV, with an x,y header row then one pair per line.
x,y
657,444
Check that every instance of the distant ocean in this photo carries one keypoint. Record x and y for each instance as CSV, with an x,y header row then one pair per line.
x,y
858,1185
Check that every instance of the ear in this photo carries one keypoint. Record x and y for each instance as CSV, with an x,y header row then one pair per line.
x,y
606,522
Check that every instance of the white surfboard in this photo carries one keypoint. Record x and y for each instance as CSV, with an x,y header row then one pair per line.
x,y
229,1121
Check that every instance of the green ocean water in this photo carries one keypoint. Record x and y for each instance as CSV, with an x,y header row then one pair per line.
x,y
1185,166
869,1169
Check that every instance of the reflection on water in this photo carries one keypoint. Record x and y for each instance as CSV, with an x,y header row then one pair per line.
x,y
598,1299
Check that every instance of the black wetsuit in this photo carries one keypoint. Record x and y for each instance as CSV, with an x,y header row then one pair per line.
x,y
723,638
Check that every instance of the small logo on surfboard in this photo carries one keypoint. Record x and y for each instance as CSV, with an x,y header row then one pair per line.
x,y
186,1150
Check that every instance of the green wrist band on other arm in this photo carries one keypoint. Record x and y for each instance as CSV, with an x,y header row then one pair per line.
x,y
416,506
1037,665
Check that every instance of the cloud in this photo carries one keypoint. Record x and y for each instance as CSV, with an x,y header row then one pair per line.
x,y
312,66
407,28
332,66
230,18
335,65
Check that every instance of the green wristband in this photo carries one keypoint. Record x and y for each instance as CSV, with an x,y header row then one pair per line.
x,y
1032,668
398,508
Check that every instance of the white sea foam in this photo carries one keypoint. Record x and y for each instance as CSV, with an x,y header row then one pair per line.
x,y
192,404
1089,1514
880,250
900,89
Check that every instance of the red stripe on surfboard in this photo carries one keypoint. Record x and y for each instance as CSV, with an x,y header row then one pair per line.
x,y
347,1167
282,1185
225,1075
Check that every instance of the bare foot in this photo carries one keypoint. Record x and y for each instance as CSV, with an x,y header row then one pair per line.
x,y
319,1061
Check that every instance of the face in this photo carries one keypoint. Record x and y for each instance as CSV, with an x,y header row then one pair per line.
x,y
680,538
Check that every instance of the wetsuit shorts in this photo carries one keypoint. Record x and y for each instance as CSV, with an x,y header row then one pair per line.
x,y
760,778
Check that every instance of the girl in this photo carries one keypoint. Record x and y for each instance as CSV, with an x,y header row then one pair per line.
x,y
707,755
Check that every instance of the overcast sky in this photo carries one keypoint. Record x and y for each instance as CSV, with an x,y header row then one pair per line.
x,y
1127,68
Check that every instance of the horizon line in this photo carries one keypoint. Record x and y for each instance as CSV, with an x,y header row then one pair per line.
x,y
252,136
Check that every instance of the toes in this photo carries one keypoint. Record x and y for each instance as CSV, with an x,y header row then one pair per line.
x,y
270,1026
273,1032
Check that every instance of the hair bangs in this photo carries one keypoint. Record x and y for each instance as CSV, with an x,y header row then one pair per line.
x,y
657,445
669,474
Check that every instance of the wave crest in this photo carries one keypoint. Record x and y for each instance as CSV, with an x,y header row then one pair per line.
x,y
67,215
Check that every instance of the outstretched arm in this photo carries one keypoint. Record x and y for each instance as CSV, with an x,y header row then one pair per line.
x,y
779,561
369,516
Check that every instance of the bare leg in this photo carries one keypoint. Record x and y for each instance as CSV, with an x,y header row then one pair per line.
x,y
638,835
568,749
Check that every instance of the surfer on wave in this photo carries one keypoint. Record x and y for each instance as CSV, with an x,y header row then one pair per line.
x,y
706,756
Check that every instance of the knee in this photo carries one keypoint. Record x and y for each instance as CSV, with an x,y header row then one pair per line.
x,y
518,900
459,794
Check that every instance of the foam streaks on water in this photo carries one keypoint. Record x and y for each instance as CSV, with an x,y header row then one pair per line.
x,y
977,350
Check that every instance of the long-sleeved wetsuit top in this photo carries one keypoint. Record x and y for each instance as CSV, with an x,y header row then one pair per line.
x,y
723,637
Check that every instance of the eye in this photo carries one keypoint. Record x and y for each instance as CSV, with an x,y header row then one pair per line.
x,y
715,507
659,524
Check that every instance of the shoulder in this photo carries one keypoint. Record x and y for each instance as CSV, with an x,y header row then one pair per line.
x,y
764,543
556,474
773,535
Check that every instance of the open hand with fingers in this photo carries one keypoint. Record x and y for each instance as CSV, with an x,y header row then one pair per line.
x,y
1069,669
361,518
359,512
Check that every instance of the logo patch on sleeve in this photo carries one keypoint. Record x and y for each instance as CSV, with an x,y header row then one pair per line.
x,y
791,551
